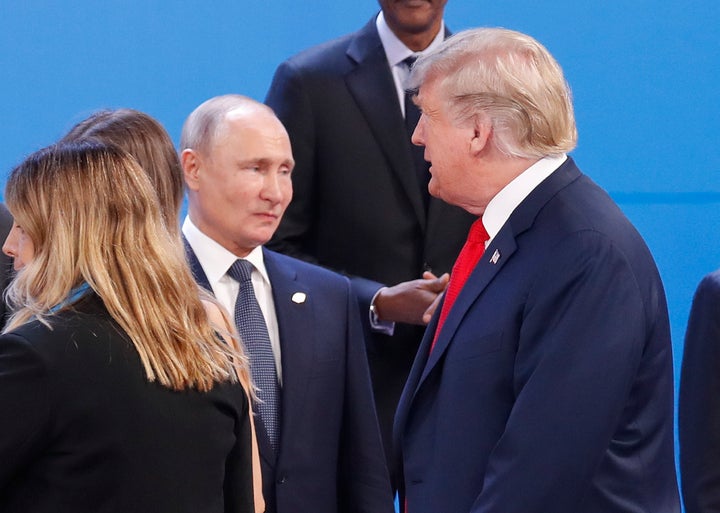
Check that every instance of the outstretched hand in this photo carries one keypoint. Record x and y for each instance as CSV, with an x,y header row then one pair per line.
x,y
411,302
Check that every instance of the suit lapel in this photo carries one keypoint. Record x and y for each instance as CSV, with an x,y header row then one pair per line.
x,y
197,270
297,338
493,260
498,253
370,82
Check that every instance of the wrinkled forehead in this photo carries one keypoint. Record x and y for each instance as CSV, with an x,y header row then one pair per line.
x,y
257,135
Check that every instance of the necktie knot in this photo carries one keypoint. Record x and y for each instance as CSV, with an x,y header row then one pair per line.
x,y
241,270
409,61
478,234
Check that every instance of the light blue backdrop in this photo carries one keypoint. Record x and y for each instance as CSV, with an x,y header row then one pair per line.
x,y
644,75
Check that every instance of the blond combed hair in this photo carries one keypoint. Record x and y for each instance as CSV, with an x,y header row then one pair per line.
x,y
93,216
511,80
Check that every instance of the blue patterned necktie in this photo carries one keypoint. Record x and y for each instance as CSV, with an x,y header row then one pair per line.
x,y
253,332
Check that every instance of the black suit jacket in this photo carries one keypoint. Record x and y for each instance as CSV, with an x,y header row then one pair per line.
x,y
550,386
357,206
330,456
699,408
83,430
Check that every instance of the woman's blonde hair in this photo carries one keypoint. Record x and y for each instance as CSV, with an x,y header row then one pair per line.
x,y
93,216
143,137
509,78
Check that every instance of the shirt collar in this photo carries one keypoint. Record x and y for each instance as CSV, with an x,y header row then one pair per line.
x,y
395,50
506,201
214,258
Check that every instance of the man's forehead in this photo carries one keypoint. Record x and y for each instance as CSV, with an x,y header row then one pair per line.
x,y
427,93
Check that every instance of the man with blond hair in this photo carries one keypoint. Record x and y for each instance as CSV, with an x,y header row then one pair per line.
x,y
544,382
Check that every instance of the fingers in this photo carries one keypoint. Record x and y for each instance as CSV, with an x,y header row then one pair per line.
x,y
433,283
431,309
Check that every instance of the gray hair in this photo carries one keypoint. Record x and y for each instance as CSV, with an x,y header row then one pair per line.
x,y
509,79
205,123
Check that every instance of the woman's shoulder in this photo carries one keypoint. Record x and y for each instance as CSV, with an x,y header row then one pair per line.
x,y
88,320
219,319
215,313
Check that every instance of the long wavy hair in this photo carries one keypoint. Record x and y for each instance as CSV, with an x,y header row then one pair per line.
x,y
93,216
147,141
143,137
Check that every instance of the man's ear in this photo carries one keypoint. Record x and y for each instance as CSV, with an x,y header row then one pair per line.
x,y
191,164
482,129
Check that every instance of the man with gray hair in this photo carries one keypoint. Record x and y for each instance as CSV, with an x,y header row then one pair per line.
x,y
544,381
320,447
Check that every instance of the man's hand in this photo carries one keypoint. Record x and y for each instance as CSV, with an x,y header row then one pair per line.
x,y
411,302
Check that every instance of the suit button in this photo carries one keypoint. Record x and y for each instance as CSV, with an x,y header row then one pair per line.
x,y
281,480
426,267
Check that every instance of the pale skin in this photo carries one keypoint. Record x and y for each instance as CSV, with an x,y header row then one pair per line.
x,y
19,247
247,171
466,168
239,188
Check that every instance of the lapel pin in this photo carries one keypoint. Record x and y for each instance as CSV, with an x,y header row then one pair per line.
x,y
495,257
299,298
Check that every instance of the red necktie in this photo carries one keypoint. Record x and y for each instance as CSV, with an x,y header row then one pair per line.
x,y
467,260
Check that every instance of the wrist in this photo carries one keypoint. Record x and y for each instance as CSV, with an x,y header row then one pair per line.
x,y
375,309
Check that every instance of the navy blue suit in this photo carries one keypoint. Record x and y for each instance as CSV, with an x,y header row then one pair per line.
x,y
699,415
550,387
357,206
330,457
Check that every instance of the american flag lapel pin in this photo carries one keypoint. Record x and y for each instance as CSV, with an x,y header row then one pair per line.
x,y
495,257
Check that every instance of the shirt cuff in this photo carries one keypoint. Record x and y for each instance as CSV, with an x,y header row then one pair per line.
x,y
378,325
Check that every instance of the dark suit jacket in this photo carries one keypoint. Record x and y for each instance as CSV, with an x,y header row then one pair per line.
x,y
330,457
84,431
357,206
699,415
6,269
550,386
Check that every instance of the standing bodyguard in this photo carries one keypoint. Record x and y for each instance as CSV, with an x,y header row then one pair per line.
x,y
361,203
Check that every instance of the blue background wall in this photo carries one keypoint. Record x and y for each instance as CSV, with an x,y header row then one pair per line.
x,y
644,75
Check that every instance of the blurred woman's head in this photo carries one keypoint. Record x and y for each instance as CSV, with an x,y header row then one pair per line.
x,y
148,142
92,216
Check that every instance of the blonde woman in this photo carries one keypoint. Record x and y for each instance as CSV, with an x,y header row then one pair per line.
x,y
116,392
143,137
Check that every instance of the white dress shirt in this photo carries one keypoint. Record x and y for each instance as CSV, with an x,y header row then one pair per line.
x,y
500,208
215,261
396,52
